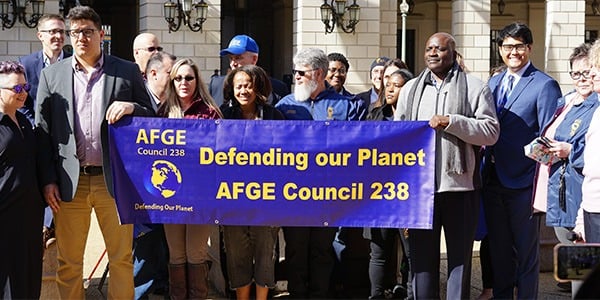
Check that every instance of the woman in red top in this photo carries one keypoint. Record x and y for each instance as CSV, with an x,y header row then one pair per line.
x,y
187,97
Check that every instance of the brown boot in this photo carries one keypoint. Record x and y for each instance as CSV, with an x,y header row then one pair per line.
x,y
177,282
198,280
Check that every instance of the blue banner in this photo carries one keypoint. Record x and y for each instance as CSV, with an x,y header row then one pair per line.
x,y
283,173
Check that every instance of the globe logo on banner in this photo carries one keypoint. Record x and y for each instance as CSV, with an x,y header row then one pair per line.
x,y
162,179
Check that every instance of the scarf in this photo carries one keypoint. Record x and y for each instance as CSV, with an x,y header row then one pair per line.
x,y
456,103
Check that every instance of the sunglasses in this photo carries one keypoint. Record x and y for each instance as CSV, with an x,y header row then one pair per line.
x,y
186,78
302,72
19,88
152,49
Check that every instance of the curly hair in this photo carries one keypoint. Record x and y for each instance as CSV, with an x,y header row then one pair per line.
x,y
261,84
11,66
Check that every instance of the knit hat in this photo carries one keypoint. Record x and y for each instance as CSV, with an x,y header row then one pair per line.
x,y
380,61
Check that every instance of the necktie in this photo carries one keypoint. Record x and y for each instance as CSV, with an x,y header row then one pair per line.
x,y
505,91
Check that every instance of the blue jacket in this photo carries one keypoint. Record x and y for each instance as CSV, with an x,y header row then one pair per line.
x,y
33,63
529,108
328,105
572,130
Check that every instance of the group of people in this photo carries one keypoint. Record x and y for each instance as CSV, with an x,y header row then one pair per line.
x,y
55,109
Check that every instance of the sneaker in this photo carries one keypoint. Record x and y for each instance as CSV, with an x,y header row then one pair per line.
x,y
48,237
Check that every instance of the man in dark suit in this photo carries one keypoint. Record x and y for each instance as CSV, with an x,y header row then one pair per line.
x,y
51,32
77,98
243,50
525,102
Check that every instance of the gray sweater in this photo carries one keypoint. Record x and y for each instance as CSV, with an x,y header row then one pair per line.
x,y
481,128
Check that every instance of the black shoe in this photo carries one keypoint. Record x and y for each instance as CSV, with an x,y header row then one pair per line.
x,y
399,292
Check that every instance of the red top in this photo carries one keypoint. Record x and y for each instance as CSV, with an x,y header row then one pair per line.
x,y
200,110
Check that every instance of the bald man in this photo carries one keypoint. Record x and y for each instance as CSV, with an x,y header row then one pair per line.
x,y
461,109
144,45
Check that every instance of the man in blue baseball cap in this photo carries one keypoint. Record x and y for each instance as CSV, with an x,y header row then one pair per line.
x,y
239,45
243,50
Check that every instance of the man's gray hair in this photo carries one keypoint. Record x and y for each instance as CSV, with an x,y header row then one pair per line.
x,y
313,57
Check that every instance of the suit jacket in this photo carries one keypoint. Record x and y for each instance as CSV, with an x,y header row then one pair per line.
x,y
54,118
33,63
529,108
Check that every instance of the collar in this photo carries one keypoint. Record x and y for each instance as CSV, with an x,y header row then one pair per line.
x,y
431,78
77,66
518,74
47,60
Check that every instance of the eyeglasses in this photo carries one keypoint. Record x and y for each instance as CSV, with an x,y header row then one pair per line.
x,y
510,47
54,31
342,71
86,32
302,72
152,49
186,78
576,75
19,88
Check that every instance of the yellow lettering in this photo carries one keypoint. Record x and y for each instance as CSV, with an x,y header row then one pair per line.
x,y
363,154
286,191
142,137
207,156
223,191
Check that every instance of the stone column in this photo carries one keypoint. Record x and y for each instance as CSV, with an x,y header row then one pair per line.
x,y
565,30
471,28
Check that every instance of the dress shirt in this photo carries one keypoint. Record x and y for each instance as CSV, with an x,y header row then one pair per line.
x,y
48,61
89,108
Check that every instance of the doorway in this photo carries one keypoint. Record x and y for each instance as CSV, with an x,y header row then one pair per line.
x,y
269,22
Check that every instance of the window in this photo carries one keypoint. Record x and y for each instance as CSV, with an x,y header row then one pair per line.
x,y
591,36
495,59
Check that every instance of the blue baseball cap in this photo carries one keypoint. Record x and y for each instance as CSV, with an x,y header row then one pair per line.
x,y
240,44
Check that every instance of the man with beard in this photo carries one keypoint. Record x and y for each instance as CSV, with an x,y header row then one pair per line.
x,y
460,108
309,251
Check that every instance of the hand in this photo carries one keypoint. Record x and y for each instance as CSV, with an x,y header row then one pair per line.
x,y
52,196
439,122
117,110
579,230
560,149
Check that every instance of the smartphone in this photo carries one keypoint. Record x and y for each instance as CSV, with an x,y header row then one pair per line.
x,y
546,142
575,261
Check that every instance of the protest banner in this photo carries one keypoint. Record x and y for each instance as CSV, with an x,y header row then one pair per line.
x,y
279,173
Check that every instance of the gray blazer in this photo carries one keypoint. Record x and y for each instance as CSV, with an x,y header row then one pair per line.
x,y
55,114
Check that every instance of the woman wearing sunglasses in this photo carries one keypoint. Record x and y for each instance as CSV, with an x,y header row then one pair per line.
x,y
21,201
188,97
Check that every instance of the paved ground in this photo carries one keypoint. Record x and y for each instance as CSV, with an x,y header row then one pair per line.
x,y
95,248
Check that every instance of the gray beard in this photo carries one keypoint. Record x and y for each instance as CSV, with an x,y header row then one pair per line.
x,y
302,92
